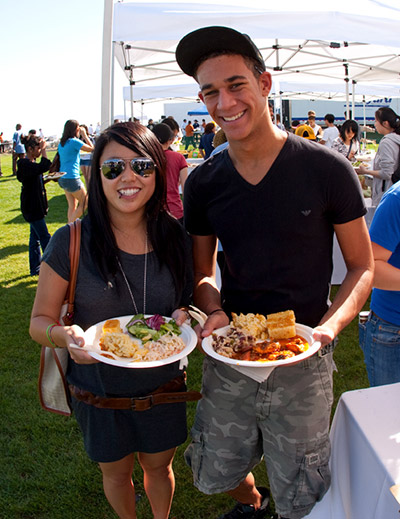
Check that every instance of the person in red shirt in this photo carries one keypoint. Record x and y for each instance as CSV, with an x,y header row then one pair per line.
x,y
177,170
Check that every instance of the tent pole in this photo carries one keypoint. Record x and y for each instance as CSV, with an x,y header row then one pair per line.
x,y
346,71
112,83
353,100
131,83
365,124
106,64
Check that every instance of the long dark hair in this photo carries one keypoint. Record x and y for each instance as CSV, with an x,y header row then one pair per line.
x,y
352,125
69,132
387,114
165,233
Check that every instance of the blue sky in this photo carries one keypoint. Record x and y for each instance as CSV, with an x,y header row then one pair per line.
x,y
50,63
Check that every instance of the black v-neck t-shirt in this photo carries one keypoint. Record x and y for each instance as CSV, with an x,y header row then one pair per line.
x,y
277,235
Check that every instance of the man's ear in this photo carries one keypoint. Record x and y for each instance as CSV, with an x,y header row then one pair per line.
x,y
266,83
201,96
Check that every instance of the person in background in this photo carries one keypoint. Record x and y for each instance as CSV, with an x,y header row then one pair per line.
x,y
18,148
86,158
196,124
34,205
150,124
170,121
380,335
312,122
271,112
331,132
69,150
41,134
177,170
294,125
305,131
268,193
189,131
278,123
134,258
347,143
206,142
1,142
386,161
203,124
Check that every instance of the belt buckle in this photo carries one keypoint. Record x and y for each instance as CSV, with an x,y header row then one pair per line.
x,y
148,397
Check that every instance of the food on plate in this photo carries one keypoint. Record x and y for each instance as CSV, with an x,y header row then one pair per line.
x,y
151,328
257,338
112,325
253,324
281,325
147,339
122,345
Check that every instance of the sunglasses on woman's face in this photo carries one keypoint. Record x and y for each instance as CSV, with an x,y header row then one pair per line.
x,y
141,166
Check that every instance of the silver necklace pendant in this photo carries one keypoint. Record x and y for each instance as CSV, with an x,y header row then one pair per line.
x,y
144,282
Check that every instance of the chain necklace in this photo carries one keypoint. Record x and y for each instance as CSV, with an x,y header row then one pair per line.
x,y
144,282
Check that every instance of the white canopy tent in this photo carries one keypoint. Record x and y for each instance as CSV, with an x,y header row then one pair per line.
x,y
352,43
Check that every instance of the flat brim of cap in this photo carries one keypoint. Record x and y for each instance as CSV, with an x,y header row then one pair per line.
x,y
199,44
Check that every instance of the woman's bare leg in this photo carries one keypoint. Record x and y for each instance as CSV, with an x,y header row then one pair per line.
x,y
159,481
118,486
76,203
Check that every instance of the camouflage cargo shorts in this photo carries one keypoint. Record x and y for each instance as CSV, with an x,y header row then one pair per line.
x,y
285,419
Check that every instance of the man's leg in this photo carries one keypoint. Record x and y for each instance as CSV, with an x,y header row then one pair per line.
x,y
297,404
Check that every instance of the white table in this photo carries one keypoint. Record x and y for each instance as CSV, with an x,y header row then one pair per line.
x,y
339,266
365,460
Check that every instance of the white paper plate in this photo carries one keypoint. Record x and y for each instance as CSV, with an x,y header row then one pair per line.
x,y
53,176
93,334
301,329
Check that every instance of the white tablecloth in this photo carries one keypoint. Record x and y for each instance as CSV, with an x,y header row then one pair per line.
x,y
365,460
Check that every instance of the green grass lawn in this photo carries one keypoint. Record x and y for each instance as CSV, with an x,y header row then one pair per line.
x,y
45,472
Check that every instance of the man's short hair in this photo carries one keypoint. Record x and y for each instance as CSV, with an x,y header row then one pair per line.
x,y
330,118
207,42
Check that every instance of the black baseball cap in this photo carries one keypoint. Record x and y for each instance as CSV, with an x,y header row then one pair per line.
x,y
197,45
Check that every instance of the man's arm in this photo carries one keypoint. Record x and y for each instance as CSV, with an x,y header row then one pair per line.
x,y
356,248
206,293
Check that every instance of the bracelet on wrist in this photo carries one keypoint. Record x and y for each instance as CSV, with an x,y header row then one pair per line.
x,y
48,334
216,310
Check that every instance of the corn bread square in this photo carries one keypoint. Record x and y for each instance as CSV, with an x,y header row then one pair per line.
x,y
281,325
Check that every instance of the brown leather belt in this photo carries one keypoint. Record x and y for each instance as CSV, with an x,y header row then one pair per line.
x,y
166,394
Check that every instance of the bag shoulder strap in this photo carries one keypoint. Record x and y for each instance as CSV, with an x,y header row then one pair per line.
x,y
74,253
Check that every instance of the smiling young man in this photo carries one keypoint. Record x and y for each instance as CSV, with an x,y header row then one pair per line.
x,y
275,202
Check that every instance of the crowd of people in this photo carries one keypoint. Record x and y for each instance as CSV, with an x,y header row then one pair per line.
x,y
151,239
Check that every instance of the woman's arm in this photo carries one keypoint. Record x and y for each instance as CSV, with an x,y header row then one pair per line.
x,y
183,174
88,146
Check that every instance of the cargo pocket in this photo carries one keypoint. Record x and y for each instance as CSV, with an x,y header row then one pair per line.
x,y
314,475
194,453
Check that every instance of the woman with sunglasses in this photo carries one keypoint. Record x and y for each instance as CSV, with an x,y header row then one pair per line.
x,y
73,140
134,258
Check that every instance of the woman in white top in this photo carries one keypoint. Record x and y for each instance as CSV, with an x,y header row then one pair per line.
x,y
347,142
387,123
